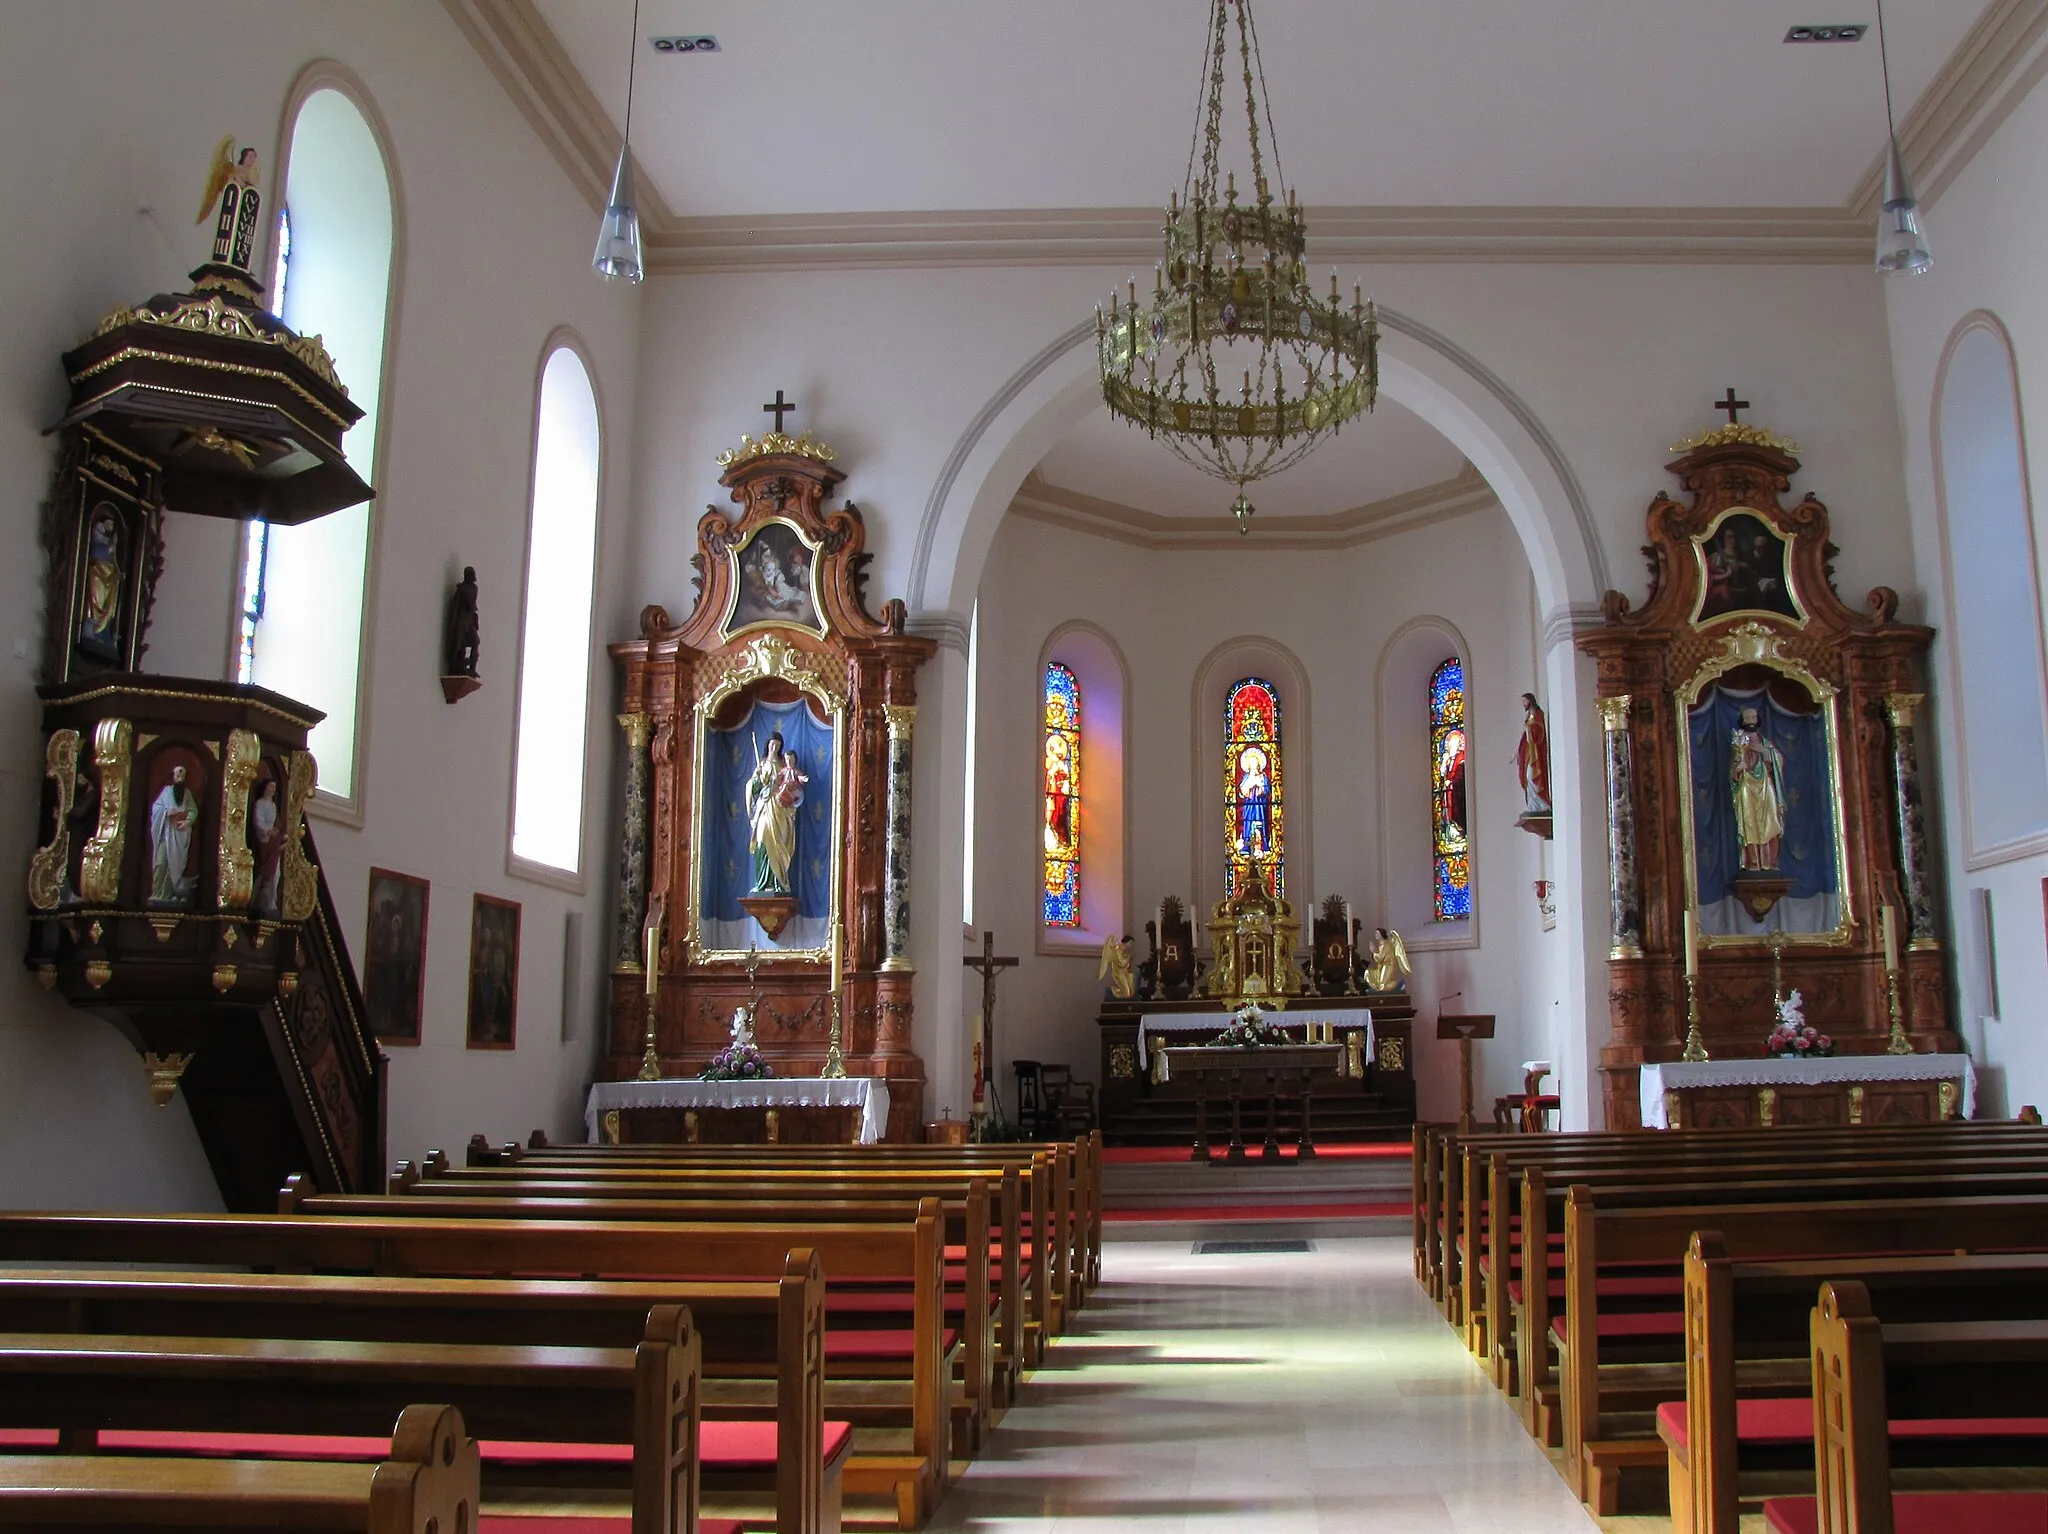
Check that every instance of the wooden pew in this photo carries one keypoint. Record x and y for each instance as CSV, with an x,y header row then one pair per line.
x,y
1923,1216
1749,1319
1864,1373
426,1484
914,1474
86,1384
741,1324
967,1211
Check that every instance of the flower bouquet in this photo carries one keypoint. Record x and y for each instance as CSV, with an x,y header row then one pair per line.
x,y
741,1060
1248,1030
1794,1038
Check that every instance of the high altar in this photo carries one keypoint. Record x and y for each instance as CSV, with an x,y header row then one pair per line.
x,y
766,839
1779,721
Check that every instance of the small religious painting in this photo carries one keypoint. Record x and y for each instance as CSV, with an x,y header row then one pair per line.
x,y
395,957
774,582
1744,570
493,973
175,786
106,572
266,839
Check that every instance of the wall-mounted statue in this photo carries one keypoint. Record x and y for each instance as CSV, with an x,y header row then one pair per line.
x,y
462,642
1532,768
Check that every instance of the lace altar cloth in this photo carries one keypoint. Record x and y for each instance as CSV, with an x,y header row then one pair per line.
x,y
1678,1074
1209,1024
870,1094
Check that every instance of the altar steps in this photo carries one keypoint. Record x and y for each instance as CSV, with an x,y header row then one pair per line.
x,y
1326,1197
1362,1118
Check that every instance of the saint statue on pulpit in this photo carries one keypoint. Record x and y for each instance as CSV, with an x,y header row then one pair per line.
x,y
775,792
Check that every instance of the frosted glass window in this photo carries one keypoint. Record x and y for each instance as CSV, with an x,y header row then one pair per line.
x,y
1994,618
300,610
973,727
554,654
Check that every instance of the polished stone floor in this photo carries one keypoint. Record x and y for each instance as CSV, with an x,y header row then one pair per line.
x,y
1315,1391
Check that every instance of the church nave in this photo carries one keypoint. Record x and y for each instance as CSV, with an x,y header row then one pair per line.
x,y
1282,1392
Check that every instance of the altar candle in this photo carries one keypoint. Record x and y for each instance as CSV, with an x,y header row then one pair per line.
x,y
1891,938
1692,943
653,964
838,957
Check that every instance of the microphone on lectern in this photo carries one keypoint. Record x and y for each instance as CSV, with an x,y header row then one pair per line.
x,y
1442,1001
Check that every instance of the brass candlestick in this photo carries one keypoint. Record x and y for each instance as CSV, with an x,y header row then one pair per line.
x,y
1695,1050
1900,1044
835,1063
650,1054
1777,974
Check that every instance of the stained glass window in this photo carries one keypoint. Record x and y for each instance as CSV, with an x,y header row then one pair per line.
x,y
1253,828
1450,806
1062,797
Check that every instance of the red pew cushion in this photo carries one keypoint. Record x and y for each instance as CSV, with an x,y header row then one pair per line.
x,y
27,1438
850,1344
721,1446
1789,1419
1643,1323
1931,1512
622,1523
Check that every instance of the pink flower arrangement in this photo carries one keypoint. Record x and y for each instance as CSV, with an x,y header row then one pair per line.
x,y
1794,1038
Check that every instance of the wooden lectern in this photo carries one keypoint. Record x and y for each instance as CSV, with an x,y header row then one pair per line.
x,y
1464,1027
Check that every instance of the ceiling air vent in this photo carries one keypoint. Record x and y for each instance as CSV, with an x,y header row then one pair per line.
x,y
1848,32
700,43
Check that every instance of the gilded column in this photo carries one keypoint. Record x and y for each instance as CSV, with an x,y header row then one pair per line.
x,y
639,730
902,718
1899,708
1624,883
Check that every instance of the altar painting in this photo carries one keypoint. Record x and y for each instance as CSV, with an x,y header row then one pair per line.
x,y
768,823
1744,570
774,582
1763,806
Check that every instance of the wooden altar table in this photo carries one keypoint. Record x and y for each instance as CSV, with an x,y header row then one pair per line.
x,y
1279,1066
865,1099
1845,1089
1207,1025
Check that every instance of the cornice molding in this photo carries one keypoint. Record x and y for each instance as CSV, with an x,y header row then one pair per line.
x,y
949,629
1039,500
2001,58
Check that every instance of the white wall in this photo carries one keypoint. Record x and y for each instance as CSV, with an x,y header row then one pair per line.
x,y
1340,614
495,251
1988,230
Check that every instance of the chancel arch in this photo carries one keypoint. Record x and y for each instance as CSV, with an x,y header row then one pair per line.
x,y
1984,506
1407,743
1260,660
305,591
1094,820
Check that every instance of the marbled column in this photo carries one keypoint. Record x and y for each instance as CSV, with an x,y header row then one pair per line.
x,y
632,891
1624,884
1899,708
902,718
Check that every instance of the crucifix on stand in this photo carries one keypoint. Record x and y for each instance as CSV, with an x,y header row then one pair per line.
x,y
782,407
989,965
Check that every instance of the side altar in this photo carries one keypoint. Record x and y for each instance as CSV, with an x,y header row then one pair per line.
x,y
764,859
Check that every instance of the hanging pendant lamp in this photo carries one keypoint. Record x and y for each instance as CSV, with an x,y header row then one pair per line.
x,y
1901,242
618,236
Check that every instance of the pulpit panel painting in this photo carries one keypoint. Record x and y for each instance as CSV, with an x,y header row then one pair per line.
x,y
768,826
1764,812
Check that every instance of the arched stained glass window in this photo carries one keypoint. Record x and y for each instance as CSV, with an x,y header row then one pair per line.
x,y
1450,804
1254,830
1062,797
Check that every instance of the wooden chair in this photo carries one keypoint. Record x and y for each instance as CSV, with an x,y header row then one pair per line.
x,y
1069,1104
1031,1115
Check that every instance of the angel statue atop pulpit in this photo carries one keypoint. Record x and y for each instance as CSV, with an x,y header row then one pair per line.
x,y
775,792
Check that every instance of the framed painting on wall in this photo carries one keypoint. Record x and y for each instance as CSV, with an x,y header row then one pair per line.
x,y
395,956
493,973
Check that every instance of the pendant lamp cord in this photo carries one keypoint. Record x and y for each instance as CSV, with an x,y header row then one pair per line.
x,y
1883,63
633,54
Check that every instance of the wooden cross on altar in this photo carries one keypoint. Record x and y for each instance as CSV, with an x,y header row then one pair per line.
x,y
987,962
1730,404
782,407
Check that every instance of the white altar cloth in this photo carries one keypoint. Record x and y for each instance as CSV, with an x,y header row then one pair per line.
x,y
870,1094
1209,1024
1656,1079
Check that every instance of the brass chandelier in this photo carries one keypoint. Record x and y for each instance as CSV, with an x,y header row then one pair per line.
x,y
1236,364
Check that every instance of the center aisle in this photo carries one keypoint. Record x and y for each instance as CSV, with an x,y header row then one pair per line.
x,y
1316,1391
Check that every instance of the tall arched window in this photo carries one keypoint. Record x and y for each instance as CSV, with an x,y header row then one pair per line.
x,y
300,609
554,653
1062,769
1254,831
1994,642
1451,806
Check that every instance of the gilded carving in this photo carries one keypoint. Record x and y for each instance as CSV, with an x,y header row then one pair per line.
x,y
901,719
164,1071
1947,1094
1392,1055
1614,712
771,443
212,316
47,868
1767,1106
299,879
1123,1062
237,862
224,978
97,973
1856,1103
99,871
